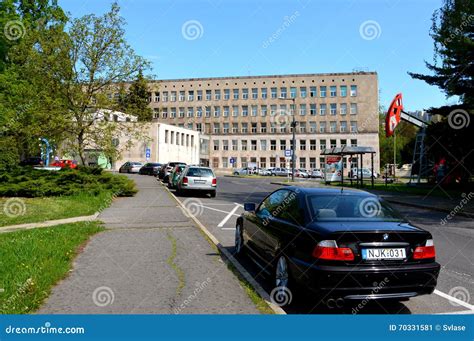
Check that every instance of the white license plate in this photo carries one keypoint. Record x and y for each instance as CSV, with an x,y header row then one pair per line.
x,y
371,254
199,181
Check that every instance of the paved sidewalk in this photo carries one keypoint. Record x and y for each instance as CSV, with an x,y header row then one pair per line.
x,y
455,204
152,259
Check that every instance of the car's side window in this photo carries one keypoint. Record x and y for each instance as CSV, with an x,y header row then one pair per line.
x,y
290,210
271,206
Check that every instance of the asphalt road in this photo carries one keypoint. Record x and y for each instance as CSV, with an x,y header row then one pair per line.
x,y
454,246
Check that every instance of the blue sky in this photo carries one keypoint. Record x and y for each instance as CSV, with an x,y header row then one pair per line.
x,y
232,38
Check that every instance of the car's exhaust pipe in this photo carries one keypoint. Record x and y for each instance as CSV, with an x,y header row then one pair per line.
x,y
340,302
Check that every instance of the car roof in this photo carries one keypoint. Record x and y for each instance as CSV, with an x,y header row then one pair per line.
x,y
326,191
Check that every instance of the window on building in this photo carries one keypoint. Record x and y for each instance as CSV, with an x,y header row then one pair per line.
x,y
172,137
263,145
282,162
245,128
322,91
253,145
216,144
173,96
215,162
263,162
273,109
235,128
302,109
244,162
283,128
166,135
208,95
245,110
283,92
332,127
263,91
208,111
283,109
157,96
245,93
353,90
190,95
312,91
235,110
225,128
199,95
236,93
226,94
312,127
273,162
217,128
254,127
322,145
254,110
312,144
199,127
207,128
273,128
190,125
322,109
164,113
181,96
353,108
273,145
333,108
353,127
217,95
225,145
302,126
165,96
254,93
282,144
274,93
225,162
343,142
312,109
263,127
226,111
343,90
302,144
292,92
333,143
173,113
177,138
343,126
244,146
303,92
190,112
343,108
353,142
322,127
303,162
263,110
181,112
322,163
235,144
312,163
217,111
333,91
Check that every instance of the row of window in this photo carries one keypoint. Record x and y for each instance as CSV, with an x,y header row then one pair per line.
x,y
264,145
263,162
255,110
254,93
263,127
179,139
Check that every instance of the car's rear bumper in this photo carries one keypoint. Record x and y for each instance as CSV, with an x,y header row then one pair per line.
x,y
362,282
198,189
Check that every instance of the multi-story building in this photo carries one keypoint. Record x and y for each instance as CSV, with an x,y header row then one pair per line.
x,y
249,118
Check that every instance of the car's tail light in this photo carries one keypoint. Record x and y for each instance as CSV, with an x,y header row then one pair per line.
x,y
185,180
328,250
425,252
214,182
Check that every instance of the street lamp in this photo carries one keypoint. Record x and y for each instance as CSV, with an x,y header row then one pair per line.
x,y
293,125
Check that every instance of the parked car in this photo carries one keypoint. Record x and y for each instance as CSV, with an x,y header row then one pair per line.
x,y
64,164
242,171
280,172
174,176
316,173
339,245
301,173
366,173
197,179
130,167
264,172
150,168
166,170
32,161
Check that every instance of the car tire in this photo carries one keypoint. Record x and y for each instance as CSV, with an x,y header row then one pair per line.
x,y
235,173
239,239
213,194
282,294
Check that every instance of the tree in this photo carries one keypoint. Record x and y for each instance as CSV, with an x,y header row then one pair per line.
x,y
453,70
101,59
135,100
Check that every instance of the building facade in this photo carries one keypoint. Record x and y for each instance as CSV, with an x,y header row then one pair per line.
x,y
249,118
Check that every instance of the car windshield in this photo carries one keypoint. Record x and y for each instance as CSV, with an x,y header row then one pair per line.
x,y
350,208
201,172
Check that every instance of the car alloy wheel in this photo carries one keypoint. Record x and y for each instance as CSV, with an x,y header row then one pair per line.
x,y
281,273
239,240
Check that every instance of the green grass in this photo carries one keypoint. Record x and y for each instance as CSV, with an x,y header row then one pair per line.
x,y
33,210
174,266
32,261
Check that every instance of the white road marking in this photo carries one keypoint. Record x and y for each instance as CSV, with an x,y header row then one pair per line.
x,y
217,210
454,300
222,223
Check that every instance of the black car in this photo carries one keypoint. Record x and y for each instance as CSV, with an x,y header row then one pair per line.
x,y
32,161
339,244
150,168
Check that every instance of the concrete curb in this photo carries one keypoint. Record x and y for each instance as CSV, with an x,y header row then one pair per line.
x,y
47,223
257,287
432,208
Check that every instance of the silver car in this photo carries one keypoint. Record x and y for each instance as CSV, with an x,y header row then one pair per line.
x,y
280,172
130,167
197,179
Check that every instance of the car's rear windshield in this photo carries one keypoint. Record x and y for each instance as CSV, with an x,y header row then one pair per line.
x,y
201,172
350,208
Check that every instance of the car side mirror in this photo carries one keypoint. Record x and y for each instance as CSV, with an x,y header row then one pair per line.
x,y
249,207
